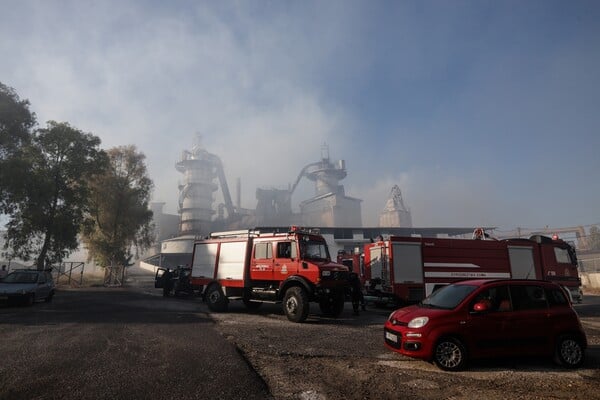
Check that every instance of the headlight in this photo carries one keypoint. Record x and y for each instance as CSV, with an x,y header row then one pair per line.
x,y
326,273
418,322
392,319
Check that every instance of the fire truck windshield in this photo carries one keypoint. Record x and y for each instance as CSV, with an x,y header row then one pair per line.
x,y
313,250
565,255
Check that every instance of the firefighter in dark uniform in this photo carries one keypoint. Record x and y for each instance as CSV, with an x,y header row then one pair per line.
x,y
167,282
356,294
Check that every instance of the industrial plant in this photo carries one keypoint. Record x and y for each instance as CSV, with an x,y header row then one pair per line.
x,y
336,215
204,175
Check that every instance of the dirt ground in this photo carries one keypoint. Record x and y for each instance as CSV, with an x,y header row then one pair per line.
x,y
345,359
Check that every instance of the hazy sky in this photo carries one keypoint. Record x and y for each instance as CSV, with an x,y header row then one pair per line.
x,y
483,112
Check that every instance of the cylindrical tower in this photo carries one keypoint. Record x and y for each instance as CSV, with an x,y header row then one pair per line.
x,y
196,191
327,175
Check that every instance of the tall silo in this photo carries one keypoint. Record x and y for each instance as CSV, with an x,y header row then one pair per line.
x,y
200,169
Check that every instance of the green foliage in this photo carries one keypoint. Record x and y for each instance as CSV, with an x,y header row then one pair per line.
x,y
593,241
119,217
16,123
56,181
48,211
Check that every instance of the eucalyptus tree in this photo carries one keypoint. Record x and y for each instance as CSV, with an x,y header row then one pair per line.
x,y
119,218
16,125
46,215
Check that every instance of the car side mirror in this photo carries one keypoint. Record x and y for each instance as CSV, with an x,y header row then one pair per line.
x,y
482,306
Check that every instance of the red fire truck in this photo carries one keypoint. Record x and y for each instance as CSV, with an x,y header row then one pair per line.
x,y
406,269
354,262
292,267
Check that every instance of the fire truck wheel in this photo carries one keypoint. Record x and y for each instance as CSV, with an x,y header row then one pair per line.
x,y
295,304
450,354
215,298
569,352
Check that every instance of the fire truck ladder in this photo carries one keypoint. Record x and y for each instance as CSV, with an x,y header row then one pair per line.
x,y
236,234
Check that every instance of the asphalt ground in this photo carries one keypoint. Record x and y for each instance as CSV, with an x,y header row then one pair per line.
x,y
119,343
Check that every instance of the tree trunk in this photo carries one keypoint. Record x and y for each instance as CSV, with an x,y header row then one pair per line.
x,y
41,260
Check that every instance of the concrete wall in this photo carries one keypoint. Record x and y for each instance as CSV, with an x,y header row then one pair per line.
x,y
590,280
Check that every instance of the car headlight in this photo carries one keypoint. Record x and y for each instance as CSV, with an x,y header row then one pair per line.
x,y
392,319
326,273
418,322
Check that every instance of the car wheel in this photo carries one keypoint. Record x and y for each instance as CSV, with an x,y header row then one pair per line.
x,y
295,304
450,355
215,298
569,352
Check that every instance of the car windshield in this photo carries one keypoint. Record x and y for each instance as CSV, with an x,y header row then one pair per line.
x,y
21,277
448,297
313,249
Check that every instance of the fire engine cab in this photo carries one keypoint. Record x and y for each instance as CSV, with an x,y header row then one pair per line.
x,y
407,269
292,267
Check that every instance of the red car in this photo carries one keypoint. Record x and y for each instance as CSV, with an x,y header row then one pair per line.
x,y
489,318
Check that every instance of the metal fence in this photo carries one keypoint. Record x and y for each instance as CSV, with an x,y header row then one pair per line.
x,y
70,273
589,265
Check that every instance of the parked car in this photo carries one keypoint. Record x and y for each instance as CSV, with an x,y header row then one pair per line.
x,y
27,286
489,318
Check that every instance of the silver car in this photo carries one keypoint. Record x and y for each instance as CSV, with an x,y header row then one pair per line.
x,y
27,286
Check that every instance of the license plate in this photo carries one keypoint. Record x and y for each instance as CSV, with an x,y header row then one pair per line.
x,y
390,336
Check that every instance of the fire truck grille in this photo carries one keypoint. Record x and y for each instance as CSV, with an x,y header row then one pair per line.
x,y
340,275
337,276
